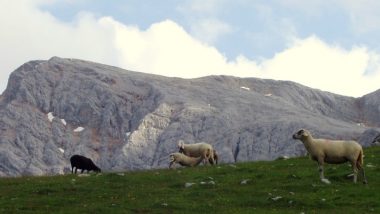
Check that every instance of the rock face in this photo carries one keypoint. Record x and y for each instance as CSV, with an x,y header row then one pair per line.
x,y
125,120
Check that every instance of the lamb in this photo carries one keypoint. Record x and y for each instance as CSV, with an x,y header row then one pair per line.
x,y
203,150
184,160
83,163
333,152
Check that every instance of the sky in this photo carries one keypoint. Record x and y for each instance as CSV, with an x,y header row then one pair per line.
x,y
329,45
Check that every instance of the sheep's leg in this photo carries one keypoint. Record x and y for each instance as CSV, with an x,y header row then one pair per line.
x,y
171,164
321,172
364,177
361,169
205,159
207,155
320,169
72,170
355,170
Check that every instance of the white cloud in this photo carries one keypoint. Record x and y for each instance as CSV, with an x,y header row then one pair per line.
x,y
317,64
165,48
170,51
28,33
210,30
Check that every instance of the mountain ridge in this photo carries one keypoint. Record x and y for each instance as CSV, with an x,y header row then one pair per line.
x,y
133,120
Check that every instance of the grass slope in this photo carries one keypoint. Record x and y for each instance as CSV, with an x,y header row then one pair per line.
x,y
282,186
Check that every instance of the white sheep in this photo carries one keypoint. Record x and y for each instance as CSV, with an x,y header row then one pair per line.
x,y
203,150
334,152
184,160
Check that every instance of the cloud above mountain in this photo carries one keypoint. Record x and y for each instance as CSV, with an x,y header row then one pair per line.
x,y
166,48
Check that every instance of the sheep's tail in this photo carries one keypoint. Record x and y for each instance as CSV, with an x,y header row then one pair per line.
x,y
208,153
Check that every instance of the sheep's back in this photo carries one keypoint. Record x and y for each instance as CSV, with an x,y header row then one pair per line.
x,y
339,147
197,149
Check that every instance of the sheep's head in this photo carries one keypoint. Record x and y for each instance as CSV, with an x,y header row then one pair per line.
x,y
97,169
300,134
171,157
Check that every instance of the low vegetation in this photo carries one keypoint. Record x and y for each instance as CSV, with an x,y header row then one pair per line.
x,y
281,186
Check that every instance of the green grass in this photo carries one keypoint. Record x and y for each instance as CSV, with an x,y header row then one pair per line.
x,y
163,191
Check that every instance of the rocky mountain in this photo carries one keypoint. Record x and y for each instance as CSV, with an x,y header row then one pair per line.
x,y
126,120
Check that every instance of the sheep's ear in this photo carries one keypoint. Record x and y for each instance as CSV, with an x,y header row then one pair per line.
x,y
180,144
303,132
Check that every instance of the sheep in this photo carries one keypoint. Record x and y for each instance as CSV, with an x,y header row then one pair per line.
x,y
204,150
184,160
333,152
83,163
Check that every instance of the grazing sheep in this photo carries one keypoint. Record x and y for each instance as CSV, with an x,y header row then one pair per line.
x,y
184,160
203,150
83,163
334,152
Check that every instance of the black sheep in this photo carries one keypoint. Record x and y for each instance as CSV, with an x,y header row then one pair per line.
x,y
83,163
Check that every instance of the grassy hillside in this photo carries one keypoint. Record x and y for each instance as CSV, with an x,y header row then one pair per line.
x,y
282,186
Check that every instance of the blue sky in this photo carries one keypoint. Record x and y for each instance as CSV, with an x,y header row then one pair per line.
x,y
262,27
329,45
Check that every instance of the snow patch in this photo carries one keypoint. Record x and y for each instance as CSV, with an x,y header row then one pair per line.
x,y
245,88
61,150
50,116
63,122
268,95
79,129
